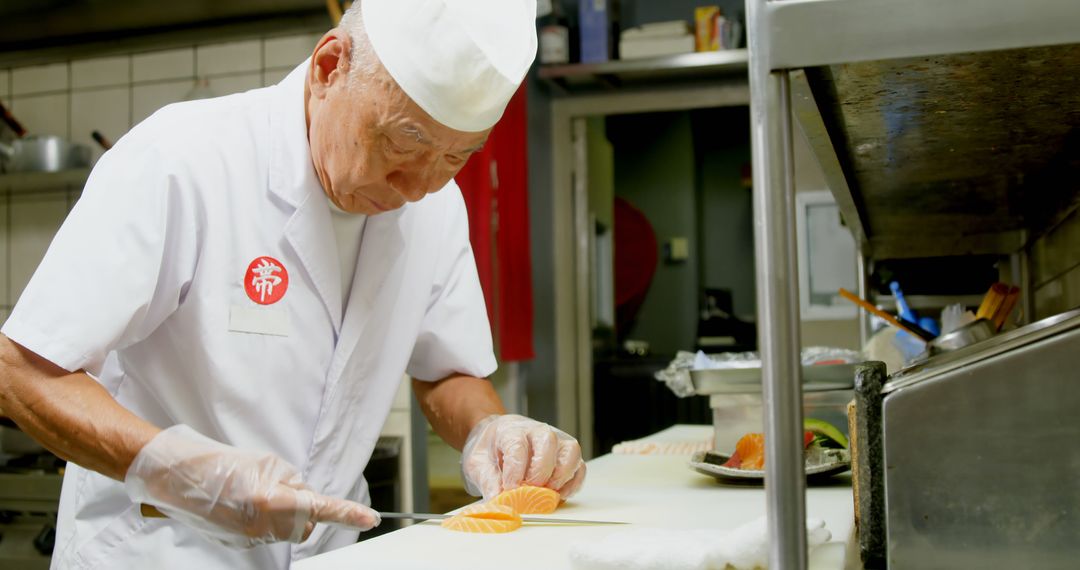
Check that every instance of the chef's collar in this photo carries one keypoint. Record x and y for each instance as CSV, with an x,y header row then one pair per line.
x,y
292,175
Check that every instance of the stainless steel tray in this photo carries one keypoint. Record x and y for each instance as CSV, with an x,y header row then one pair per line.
x,y
816,378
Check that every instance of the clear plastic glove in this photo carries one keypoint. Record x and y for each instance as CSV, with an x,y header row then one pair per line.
x,y
504,452
232,496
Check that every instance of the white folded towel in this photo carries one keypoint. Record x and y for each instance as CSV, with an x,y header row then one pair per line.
x,y
742,548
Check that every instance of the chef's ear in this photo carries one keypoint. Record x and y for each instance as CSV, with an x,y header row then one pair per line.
x,y
330,61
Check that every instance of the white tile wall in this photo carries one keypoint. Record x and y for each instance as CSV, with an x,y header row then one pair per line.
x,y
106,110
34,221
233,57
147,98
39,79
274,76
161,65
42,114
288,51
229,84
111,94
101,72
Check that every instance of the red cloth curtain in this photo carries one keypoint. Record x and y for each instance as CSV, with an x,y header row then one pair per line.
x,y
495,185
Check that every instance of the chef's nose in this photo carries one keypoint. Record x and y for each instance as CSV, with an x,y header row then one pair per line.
x,y
411,188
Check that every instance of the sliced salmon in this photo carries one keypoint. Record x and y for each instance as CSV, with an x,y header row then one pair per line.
x,y
750,451
484,518
529,500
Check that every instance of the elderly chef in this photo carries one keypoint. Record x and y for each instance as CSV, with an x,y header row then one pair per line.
x,y
220,326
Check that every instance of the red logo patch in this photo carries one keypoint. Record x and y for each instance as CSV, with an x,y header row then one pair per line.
x,y
266,280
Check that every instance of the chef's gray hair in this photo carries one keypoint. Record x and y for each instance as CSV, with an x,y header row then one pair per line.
x,y
363,62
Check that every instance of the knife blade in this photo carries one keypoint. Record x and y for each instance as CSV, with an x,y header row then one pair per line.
x,y
433,516
150,511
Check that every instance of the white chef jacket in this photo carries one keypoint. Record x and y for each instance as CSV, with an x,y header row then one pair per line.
x,y
348,229
146,287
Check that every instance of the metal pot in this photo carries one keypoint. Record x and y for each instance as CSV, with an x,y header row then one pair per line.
x,y
42,153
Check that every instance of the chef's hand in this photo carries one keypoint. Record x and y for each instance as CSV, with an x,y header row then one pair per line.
x,y
504,452
235,497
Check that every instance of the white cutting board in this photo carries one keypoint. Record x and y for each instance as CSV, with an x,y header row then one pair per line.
x,y
654,491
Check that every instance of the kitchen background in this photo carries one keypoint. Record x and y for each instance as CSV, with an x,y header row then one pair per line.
x,y
75,97
685,170
697,157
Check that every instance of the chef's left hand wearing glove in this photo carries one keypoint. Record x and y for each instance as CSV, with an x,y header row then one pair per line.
x,y
507,451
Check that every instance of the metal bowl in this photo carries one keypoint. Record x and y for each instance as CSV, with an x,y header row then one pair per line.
x,y
42,153
969,334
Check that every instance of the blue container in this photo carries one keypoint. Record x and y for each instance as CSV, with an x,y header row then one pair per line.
x,y
595,24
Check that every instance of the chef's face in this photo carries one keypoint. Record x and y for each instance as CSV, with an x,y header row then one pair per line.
x,y
372,147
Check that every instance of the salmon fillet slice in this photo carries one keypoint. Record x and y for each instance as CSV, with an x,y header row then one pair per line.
x,y
529,500
750,451
484,518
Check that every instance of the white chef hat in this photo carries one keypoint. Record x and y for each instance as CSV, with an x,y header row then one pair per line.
x,y
459,60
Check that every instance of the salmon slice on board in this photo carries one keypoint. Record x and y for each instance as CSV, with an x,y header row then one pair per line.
x,y
484,518
529,500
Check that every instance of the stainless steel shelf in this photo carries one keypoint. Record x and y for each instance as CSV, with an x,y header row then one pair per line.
x,y
959,154
621,73
811,33
29,182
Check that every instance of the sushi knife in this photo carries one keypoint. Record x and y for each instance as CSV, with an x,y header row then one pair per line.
x,y
432,516
149,511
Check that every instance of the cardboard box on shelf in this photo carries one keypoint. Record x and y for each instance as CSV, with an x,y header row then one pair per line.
x,y
656,39
656,47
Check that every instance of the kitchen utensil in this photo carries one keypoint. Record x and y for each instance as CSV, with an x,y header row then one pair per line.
x,y
929,325
998,304
151,512
10,121
1006,308
906,326
43,153
431,516
901,303
978,330
992,301
955,316
101,140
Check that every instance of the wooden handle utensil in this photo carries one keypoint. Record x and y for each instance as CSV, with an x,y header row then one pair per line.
x,y
911,329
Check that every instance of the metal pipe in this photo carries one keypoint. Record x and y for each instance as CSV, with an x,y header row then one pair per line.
x,y
777,297
862,269
582,237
